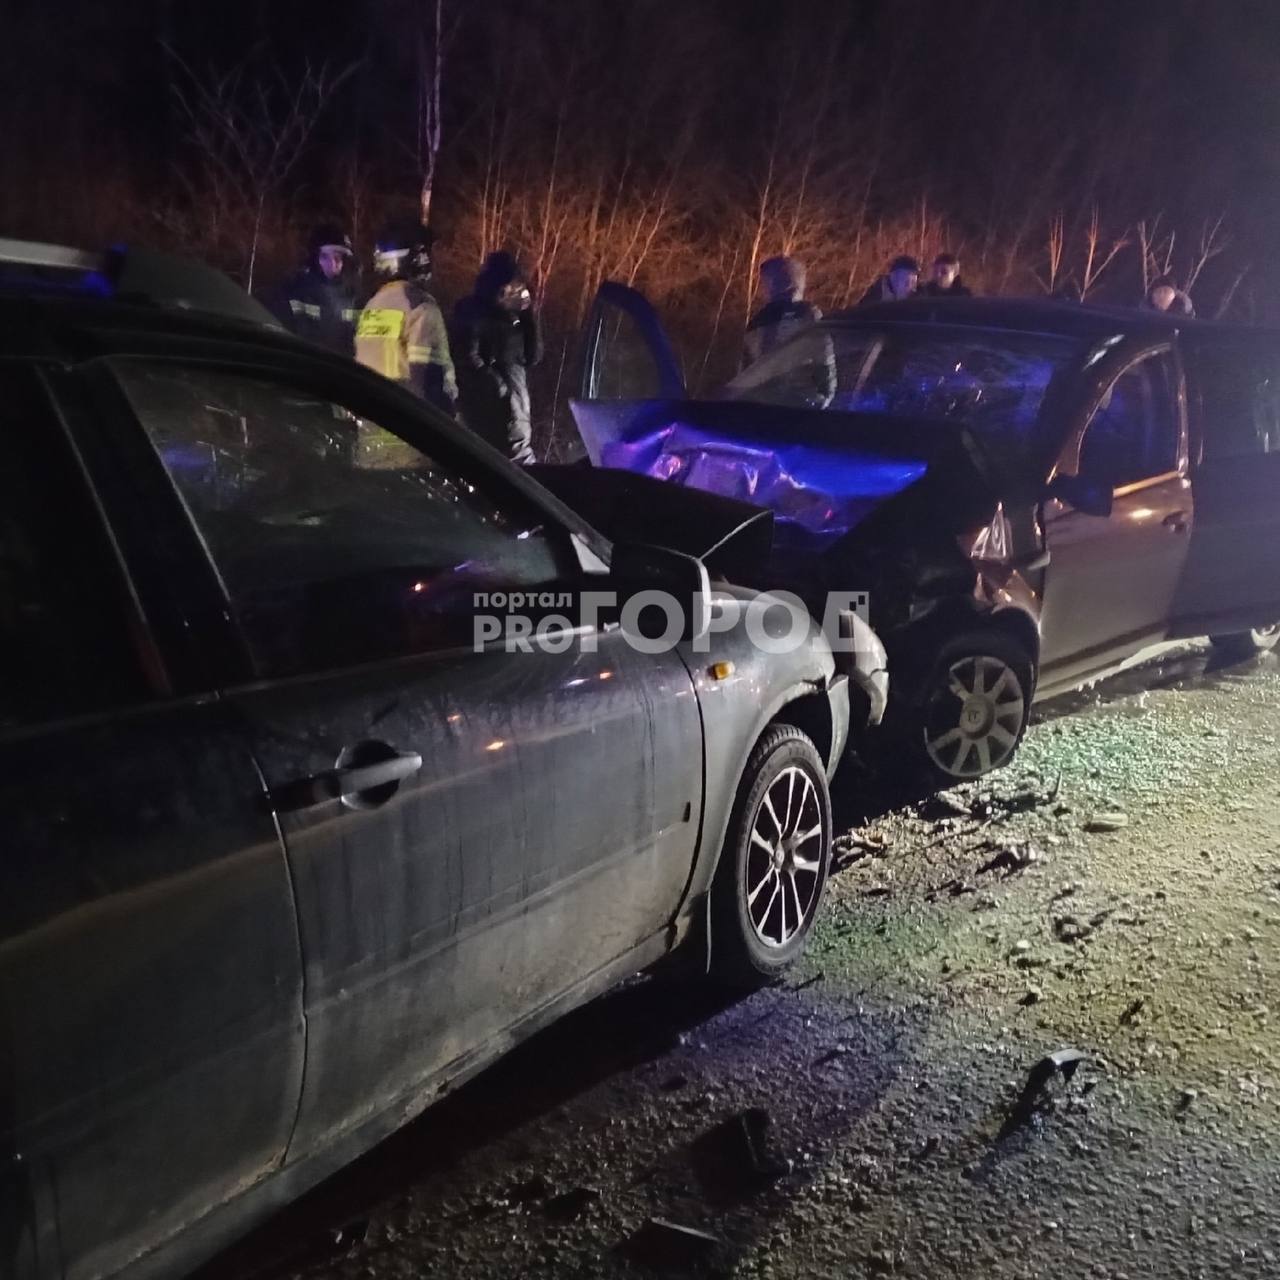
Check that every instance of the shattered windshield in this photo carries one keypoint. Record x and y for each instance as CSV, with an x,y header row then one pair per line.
x,y
992,382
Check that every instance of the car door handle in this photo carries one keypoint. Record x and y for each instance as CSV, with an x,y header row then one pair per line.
x,y
349,780
1177,521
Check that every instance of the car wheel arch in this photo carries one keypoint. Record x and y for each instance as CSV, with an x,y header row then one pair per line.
x,y
801,705
914,653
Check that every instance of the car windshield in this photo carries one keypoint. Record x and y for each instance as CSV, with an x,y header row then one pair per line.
x,y
993,382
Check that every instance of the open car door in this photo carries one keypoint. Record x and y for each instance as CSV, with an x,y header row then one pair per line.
x,y
1232,578
628,363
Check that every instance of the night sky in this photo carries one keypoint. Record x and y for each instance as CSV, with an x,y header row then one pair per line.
x,y
1190,86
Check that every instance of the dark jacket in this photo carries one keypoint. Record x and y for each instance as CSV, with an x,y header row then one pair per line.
x,y
775,322
320,310
879,292
957,289
493,349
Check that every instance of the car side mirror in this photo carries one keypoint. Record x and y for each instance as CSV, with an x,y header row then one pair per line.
x,y
662,594
1083,494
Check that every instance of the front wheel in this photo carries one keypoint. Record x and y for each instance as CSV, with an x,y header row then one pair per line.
x,y
773,868
1245,644
971,710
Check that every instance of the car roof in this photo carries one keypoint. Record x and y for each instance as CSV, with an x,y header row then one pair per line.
x,y
73,327
1044,316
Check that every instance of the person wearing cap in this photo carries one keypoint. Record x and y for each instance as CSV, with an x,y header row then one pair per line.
x,y
897,283
319,302
497,339
946,282
782,282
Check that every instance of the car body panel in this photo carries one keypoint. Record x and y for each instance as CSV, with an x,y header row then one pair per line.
x,y
152,981
553,824
150,969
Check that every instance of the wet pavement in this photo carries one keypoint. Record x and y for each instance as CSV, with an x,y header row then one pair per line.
x,y
1116,892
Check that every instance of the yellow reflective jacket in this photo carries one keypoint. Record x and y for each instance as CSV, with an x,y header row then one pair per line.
x,y
401,335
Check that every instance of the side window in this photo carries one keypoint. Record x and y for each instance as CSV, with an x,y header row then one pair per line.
x,y
622,368
1239,401
66,647
1134,432
337,542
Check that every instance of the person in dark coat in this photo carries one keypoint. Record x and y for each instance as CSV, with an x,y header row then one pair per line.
x,y
319,302
897,283
496,340
946,282
782,282
1164,295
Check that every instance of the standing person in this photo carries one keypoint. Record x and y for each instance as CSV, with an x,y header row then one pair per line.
x,y
897,283
401,331
319,302
946,282
1164,295
782,282
497,338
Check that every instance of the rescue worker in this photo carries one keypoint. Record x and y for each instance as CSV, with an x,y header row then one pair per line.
x,y
897,283
497,338
782,282
1164,295
946,282
401,331
319,302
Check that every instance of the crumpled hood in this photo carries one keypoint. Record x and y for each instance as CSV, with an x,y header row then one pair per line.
x,y
821,473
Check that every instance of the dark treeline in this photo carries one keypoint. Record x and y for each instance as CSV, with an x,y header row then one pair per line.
x,y
674,145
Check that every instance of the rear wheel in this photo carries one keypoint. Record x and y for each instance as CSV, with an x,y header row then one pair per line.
x,y
970,713
773,868
1244,644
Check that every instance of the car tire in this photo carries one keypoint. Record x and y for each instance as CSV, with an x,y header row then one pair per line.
x,y
1245,644
777,852
968,715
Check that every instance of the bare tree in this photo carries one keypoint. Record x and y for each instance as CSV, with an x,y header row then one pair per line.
x,y
431,60
1098,256
1156,249
1055,245
249,128
1212,244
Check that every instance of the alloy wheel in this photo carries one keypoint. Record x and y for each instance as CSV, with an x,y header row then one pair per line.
x,y
784,859
973,724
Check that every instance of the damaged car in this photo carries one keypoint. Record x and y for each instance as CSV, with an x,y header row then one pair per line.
x,y
1030,493
301,829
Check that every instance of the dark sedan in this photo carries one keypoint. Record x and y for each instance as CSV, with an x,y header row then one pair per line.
x,y
290,847
1031,492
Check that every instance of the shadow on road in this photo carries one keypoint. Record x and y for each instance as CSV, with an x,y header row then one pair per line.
x,y
636,1023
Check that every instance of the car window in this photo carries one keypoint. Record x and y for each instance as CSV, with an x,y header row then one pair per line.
x,y
992,383
66,644
808,372
1239,401
623,366
1133,434
337,541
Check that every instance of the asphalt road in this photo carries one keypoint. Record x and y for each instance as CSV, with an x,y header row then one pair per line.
x,y
1116,892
